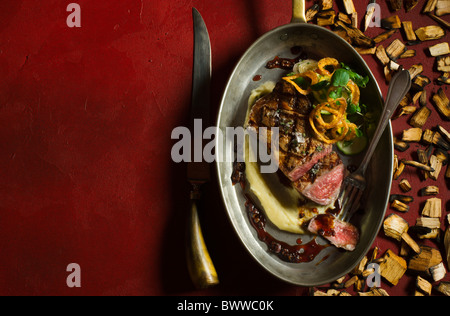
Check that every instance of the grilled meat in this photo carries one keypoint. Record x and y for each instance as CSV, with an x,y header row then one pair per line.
x,y
323,182
315,170
340,234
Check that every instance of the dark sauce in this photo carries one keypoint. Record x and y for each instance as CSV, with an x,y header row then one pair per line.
x,y
288,253
238,175
257,78
337,209
288,63
325,225
282,63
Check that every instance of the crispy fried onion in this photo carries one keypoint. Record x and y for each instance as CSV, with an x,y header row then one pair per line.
x,y
328,120
355,92
311,75
327,62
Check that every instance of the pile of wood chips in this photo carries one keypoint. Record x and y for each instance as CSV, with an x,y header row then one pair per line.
x,y
428,264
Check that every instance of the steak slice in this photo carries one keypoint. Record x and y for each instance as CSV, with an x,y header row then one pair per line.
x,y
322,183
340,234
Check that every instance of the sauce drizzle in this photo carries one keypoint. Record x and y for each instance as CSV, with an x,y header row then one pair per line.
x,y
288,253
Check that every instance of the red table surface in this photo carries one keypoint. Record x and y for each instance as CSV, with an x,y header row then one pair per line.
x,y
86,118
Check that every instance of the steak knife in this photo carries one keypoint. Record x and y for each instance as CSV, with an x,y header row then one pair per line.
x,y
200,265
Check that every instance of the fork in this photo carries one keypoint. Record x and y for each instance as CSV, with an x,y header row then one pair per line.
x,y
354,185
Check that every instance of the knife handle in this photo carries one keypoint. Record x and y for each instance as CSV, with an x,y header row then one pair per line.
x,y
200,265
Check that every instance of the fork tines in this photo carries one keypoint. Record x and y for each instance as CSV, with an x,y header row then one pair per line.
x,y
350,198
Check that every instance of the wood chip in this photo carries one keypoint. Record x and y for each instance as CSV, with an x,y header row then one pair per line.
x,y
396,4
424,285
394,66
423,159
438,272
401,198
440,21
439,49
405,186
442,7
319,293
343,33
344,18
443,63
381,55
409,31
384,36
351,281
435,138
400,206
420,117
406,110
407,100
312,12
427,258
392,22
349,6
447,246
443,132
366,51
354,18
410,4
423,98
410,53
412,135
393,268
396,227
358,270
415,70
428,136
441,154
442,103
326,4
444,288
430,33
399,171
429,190
436,164
325,18
358,37
430,6
396,49
417,96
433,207
444,79
374,292
417,165
428,222
419,83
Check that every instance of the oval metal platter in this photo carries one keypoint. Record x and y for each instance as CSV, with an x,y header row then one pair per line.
x,y
317,42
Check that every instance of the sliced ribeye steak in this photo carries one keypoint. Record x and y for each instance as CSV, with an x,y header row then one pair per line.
x,y
315,170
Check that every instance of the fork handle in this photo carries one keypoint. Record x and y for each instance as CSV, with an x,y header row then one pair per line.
x,y
398,88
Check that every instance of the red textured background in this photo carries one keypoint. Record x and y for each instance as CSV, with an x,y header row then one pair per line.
x,y
86,116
